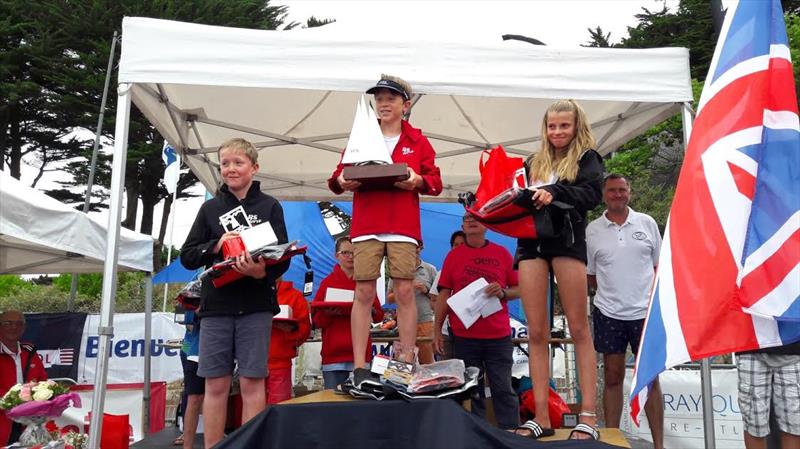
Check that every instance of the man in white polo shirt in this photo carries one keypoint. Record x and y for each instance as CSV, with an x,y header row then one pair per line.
x,y
622,250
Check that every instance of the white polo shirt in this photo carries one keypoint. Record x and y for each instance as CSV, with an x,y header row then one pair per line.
x,y
623,258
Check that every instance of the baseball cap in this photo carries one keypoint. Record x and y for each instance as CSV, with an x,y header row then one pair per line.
x,y
391,85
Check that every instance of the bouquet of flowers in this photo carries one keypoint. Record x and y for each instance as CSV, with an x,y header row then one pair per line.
x,y
32,403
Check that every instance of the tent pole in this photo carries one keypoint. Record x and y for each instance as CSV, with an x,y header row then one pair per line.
x,y
73,291
687,114
171,216
106,329
148,330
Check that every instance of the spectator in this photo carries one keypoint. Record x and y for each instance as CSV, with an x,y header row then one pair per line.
x,y
770,378
193,385
19,363
386,222
485,344
237,317
285,340
622,254
423,282
337,343
457,238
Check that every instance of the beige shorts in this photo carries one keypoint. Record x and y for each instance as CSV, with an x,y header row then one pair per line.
x,y
369,254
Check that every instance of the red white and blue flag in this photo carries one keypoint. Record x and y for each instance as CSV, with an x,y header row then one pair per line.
x,y
729,271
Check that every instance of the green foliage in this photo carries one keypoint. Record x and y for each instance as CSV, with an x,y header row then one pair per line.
x,y
11,284
130,294
597,38
793,31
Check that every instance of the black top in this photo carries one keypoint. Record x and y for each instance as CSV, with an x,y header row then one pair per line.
x,y
246,295
583,194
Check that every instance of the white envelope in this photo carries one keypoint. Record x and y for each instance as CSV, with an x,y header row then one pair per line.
x,y
258,236
463,303
339,295
286,312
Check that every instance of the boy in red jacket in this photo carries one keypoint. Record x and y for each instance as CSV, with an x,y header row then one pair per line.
x,y
337,343
285,340
386,222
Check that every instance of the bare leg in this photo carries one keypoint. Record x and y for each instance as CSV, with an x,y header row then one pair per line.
x,y
572,289
533,288
190,418
614,375
654,410
253,399
789,441
406,317
215,409
751,442
360,320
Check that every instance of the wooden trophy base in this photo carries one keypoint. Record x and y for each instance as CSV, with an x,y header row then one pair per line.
x,y
376,176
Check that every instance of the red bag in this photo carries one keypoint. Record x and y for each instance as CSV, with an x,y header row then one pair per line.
x,y
498,174
503,203
502,181
556,407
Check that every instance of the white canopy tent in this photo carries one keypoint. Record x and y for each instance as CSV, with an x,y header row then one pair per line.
x,y
41,235
293,93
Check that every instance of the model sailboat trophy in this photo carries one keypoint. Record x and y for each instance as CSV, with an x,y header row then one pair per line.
x,y
370,162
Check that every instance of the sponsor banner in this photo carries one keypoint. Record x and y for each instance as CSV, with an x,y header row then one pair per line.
x,y
683,409
126,363
57,338
126,399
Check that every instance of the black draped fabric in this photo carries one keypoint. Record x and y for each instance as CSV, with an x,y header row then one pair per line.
x,y
419,424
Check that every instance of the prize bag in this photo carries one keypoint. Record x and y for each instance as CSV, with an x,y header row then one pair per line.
x,y
504,204
556,407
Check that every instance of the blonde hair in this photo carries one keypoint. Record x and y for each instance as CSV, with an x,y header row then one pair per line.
x,y
239,145
400,81
545,162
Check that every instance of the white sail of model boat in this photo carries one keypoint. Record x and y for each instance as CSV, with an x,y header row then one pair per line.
x,y
366,142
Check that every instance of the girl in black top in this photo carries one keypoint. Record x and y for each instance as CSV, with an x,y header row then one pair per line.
x,y
568,170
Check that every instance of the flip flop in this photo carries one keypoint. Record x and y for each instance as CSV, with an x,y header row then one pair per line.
x,y
536,431
587,430
178,441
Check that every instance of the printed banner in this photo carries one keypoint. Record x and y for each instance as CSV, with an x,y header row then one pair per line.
x,y
57,338
683,410
126,364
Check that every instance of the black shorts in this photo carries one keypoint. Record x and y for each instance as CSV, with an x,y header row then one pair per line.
x,y
612,336
547,249
192,383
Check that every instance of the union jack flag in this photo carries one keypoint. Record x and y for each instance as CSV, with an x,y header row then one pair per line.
x,y
729,271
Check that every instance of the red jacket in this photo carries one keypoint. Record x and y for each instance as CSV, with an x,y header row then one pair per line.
x,y
8,378
283,345
395,211
337,341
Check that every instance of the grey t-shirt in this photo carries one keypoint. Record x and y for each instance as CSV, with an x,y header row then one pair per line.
x,y
426,273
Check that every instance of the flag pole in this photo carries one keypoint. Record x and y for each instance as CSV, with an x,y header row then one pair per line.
x,y
687,114
171,217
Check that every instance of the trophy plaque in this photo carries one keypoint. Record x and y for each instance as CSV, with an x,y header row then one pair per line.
x,y
366,150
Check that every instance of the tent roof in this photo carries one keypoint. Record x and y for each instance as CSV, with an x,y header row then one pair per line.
x,y
293,94
39,234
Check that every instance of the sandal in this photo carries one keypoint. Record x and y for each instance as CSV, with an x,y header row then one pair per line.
x,y
536,431
178,441
585,429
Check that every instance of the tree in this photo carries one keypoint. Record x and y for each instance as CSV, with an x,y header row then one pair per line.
x,y
53,67
35,117
691,26
597,38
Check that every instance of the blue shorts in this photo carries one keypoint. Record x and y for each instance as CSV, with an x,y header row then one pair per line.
x,y
244,338
612,336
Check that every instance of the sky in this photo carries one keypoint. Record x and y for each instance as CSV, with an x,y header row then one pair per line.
x,y
561,23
